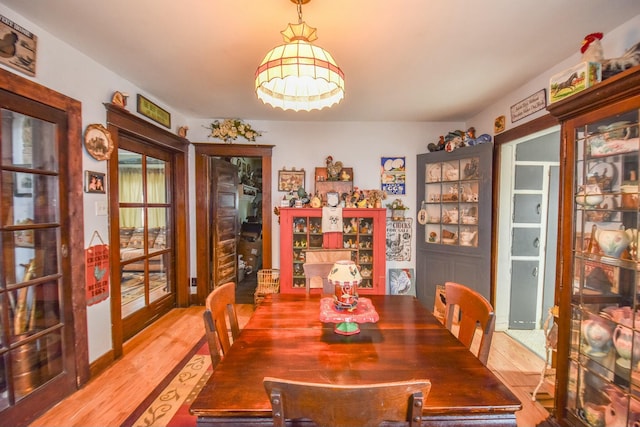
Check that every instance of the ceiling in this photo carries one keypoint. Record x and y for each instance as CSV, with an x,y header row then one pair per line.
x,y
410,60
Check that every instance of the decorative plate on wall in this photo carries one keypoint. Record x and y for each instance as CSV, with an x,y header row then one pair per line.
x,y
98,142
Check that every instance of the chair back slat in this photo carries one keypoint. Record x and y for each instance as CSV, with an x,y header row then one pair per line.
x,y
221,303
474,310
332,405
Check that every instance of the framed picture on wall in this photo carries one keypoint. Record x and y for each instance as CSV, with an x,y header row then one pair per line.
x,y
23,184
290,180
94,182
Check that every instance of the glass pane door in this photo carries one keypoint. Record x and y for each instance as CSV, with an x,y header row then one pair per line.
x,y
31,281
145,243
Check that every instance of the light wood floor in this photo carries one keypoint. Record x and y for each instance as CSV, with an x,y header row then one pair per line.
x,y
109,398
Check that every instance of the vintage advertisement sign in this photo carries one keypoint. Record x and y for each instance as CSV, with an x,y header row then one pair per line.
x,y
392,175
529,105
17,46
399,239
97,273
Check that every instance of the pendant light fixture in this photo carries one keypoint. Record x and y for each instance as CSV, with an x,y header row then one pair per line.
x,y
298,75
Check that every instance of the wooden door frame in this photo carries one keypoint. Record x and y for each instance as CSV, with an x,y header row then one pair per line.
x,y
72,220
202,153
119,121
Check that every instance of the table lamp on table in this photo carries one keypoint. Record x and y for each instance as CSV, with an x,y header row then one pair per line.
x,y
345,277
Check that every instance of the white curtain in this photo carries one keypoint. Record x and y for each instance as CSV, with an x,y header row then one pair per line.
x,y
131,191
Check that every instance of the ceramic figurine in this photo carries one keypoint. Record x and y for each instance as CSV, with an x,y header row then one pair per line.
x,y
612,242
598,336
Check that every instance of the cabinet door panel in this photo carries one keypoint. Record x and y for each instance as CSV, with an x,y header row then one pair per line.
x,y
523,290
526,208
526,242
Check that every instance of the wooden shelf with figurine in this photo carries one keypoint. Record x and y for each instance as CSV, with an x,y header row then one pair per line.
x,y
325,182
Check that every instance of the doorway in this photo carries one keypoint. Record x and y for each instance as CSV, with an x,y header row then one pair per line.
x,y
148,201
205,225
527,229
43,346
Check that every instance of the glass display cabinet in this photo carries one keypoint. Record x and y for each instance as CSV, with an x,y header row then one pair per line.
x,y
598,371
363,233
452,202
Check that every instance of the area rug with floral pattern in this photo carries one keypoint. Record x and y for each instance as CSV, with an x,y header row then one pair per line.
x,y
168,405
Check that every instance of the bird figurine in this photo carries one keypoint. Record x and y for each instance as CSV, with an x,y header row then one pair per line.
x,y
333,169
591,48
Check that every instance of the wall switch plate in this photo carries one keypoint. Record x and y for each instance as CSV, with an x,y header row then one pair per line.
x,y
101,208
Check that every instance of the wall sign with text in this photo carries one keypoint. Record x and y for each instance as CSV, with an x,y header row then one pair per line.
x,y
392,175
153,111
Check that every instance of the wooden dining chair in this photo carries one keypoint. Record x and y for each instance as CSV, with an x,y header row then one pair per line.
x,y
473,310
333,405
221,305
215,349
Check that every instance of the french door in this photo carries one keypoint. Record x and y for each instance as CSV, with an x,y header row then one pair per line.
x,y
148,219
37,348
147,279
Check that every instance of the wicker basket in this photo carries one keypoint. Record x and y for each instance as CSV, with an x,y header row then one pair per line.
x,y
268,283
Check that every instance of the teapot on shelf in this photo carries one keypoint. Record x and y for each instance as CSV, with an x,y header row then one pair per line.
x,y
598,334
612,242
466,237
590,195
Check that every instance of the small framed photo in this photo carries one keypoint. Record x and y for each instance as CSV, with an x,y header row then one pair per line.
x,y
290,180
94,182
23,184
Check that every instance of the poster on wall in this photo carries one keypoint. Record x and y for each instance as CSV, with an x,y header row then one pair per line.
x,y
399,239
392,175
97,273
17,47
402,281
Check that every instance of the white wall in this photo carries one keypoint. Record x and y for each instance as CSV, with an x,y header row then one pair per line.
x,y
614,44
360,145
62,68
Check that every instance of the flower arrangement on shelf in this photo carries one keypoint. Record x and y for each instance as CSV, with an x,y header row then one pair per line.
x,y
397,209
376,197
230,129
397,205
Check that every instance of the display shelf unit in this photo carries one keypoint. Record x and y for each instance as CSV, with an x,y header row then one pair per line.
x,y
598,372
451,202
363,232
454,188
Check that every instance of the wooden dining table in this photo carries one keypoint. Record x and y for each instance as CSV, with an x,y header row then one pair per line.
x,y
284,338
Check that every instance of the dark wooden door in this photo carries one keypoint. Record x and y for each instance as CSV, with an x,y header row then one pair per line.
x,y
225,222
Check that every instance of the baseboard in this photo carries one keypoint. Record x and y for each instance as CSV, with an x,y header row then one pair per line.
x,y
101,363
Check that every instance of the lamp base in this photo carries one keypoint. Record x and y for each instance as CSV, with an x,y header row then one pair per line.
x,y
347,328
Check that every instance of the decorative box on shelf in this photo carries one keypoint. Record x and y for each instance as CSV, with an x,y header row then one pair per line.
x,y
574,80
